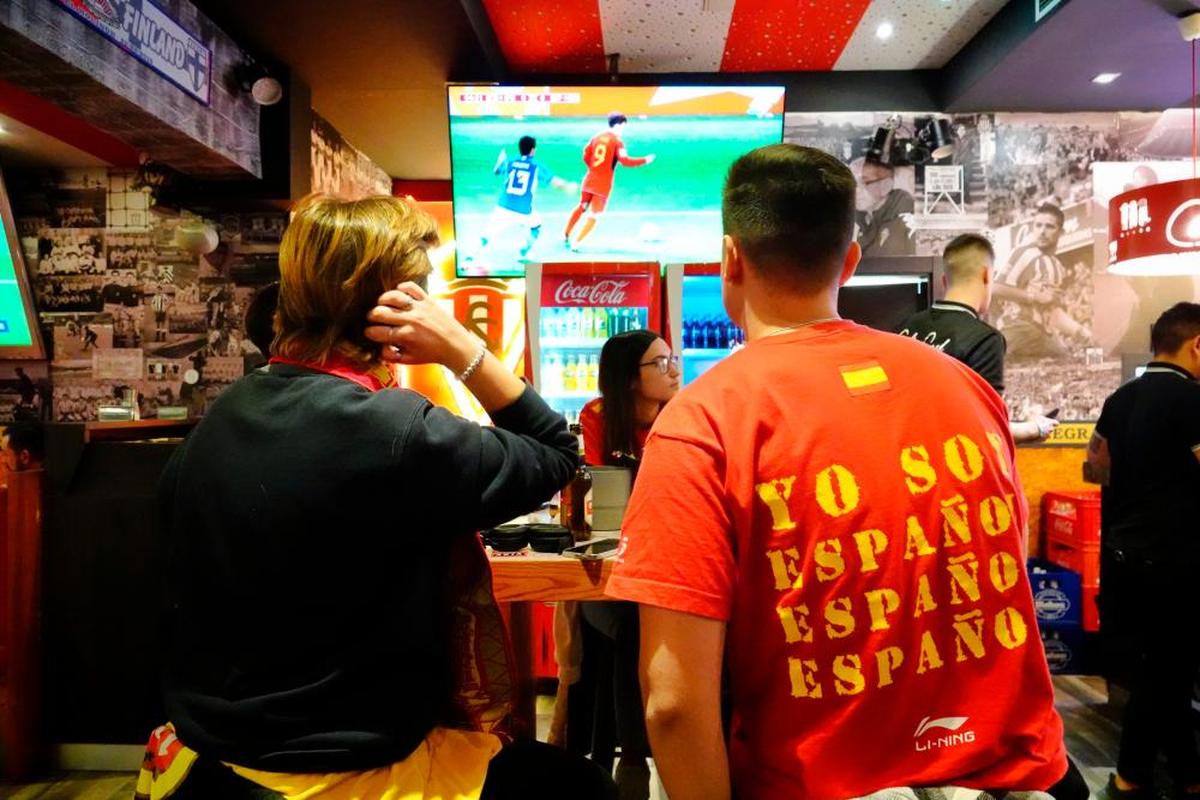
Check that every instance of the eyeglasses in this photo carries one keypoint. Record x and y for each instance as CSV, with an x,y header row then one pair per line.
x,y
664,363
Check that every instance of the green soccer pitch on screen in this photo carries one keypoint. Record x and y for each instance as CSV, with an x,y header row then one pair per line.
x,y
597,173
20,337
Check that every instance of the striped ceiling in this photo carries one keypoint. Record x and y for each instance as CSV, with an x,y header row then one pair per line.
x,y
573,36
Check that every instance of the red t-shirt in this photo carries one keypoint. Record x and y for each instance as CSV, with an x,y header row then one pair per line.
x,y
601,156
591,419
847,501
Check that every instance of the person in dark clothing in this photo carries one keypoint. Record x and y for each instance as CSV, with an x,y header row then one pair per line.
x,y
260,317
955,325
320,519
1146,454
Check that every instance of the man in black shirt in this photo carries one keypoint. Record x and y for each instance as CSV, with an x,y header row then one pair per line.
x,y
1146,452
955,326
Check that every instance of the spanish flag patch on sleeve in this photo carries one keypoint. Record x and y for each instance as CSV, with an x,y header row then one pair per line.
x,y
864,378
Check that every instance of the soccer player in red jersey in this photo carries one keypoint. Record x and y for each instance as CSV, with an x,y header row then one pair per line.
x,y
601,156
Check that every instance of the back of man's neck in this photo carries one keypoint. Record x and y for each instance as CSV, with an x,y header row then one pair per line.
x,y
971,296
1174,362
767,315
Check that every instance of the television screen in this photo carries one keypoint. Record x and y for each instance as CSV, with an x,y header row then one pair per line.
x,y
19,333
599,173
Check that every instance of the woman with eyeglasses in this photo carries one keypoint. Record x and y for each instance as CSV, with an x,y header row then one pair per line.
x,y
638,376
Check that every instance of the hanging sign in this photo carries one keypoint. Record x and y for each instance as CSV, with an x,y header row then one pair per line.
x,y
1155,230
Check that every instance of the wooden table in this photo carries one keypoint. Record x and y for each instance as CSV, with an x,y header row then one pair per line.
x,y
529,578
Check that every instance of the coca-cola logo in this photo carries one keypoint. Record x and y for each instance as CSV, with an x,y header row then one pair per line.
x,y
1062,508
605,292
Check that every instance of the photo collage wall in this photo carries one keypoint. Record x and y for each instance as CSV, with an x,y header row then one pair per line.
x,y
1037,185
124,309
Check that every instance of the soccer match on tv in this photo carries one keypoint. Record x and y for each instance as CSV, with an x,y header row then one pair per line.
x,y
553,174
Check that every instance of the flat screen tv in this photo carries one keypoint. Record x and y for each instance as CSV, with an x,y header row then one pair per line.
x,y
597,173
20,337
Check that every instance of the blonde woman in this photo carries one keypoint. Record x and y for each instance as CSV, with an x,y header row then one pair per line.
x,y
314,519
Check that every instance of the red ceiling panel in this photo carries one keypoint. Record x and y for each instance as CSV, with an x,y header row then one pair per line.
x,y
555,36
768,36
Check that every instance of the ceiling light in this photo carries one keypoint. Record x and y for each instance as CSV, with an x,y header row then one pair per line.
x,y
2,131
1106,77
885,30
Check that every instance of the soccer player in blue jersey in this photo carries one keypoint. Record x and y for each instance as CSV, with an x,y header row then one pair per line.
x,y
522,177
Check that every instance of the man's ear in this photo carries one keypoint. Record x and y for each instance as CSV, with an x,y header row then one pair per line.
x,y
733,268
853,256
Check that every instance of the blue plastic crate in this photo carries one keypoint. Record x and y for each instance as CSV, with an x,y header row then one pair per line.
x,y
1057,592
1067,648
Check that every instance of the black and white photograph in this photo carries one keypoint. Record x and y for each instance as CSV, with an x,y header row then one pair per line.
x,y
78,208
66,251
72,293
1047,158
131,251
24,390
77,336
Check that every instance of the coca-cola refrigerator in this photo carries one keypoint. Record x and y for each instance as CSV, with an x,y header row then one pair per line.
x,y
698,328
571,310
882,294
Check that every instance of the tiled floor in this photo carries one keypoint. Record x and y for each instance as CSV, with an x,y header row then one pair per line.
x,y
1092,737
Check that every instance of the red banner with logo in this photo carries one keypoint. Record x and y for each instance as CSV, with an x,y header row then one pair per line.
x,y
596,290
1158,220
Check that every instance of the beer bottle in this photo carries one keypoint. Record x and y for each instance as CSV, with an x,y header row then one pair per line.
x,y
576,507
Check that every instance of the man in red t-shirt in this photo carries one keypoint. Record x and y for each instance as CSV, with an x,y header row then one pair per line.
x,y
602,154
832,513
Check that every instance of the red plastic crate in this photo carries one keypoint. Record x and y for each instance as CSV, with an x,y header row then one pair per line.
x,y
1074,516
544,663
1091,611
1063,550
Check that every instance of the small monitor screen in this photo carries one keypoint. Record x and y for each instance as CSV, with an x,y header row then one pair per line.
x,y
19,336
600,173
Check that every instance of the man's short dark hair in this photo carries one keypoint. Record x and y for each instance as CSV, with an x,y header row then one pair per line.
x,y
957,256
260,317
1052,210
526,145
1174,328
791,210
617,119
27,436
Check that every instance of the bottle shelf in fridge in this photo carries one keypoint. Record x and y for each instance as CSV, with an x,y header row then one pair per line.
x,y
571,343
565,395
706,352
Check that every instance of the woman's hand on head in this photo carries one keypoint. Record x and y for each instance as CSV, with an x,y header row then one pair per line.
x,y
414,329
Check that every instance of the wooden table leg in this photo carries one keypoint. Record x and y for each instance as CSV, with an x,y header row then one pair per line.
x,y
520,626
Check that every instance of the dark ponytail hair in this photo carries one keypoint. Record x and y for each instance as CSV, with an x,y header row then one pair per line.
x,y
620,362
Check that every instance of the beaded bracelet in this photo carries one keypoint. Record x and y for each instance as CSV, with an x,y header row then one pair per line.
x,y
473,367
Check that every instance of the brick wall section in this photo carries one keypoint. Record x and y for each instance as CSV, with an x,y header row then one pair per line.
x,y
47,51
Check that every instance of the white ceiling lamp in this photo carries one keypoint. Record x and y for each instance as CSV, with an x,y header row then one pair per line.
x,y
1106,77
885,30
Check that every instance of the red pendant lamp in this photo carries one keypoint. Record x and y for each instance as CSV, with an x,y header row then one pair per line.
x,y
1155,230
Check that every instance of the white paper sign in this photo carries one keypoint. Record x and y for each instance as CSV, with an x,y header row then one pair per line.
x,y
118,363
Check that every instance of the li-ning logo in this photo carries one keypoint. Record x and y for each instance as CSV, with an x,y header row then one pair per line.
x,y
951,739
601,293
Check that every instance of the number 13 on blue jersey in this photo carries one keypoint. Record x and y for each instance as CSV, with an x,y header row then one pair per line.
x,y
518,182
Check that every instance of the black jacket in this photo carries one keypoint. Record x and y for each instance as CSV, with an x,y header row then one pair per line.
x,y
309,523
957,331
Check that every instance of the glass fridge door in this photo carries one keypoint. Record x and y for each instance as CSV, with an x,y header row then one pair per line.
x,y
571,338
707,332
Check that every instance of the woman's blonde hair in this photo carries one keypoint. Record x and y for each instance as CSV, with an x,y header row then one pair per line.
x,y
335,259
